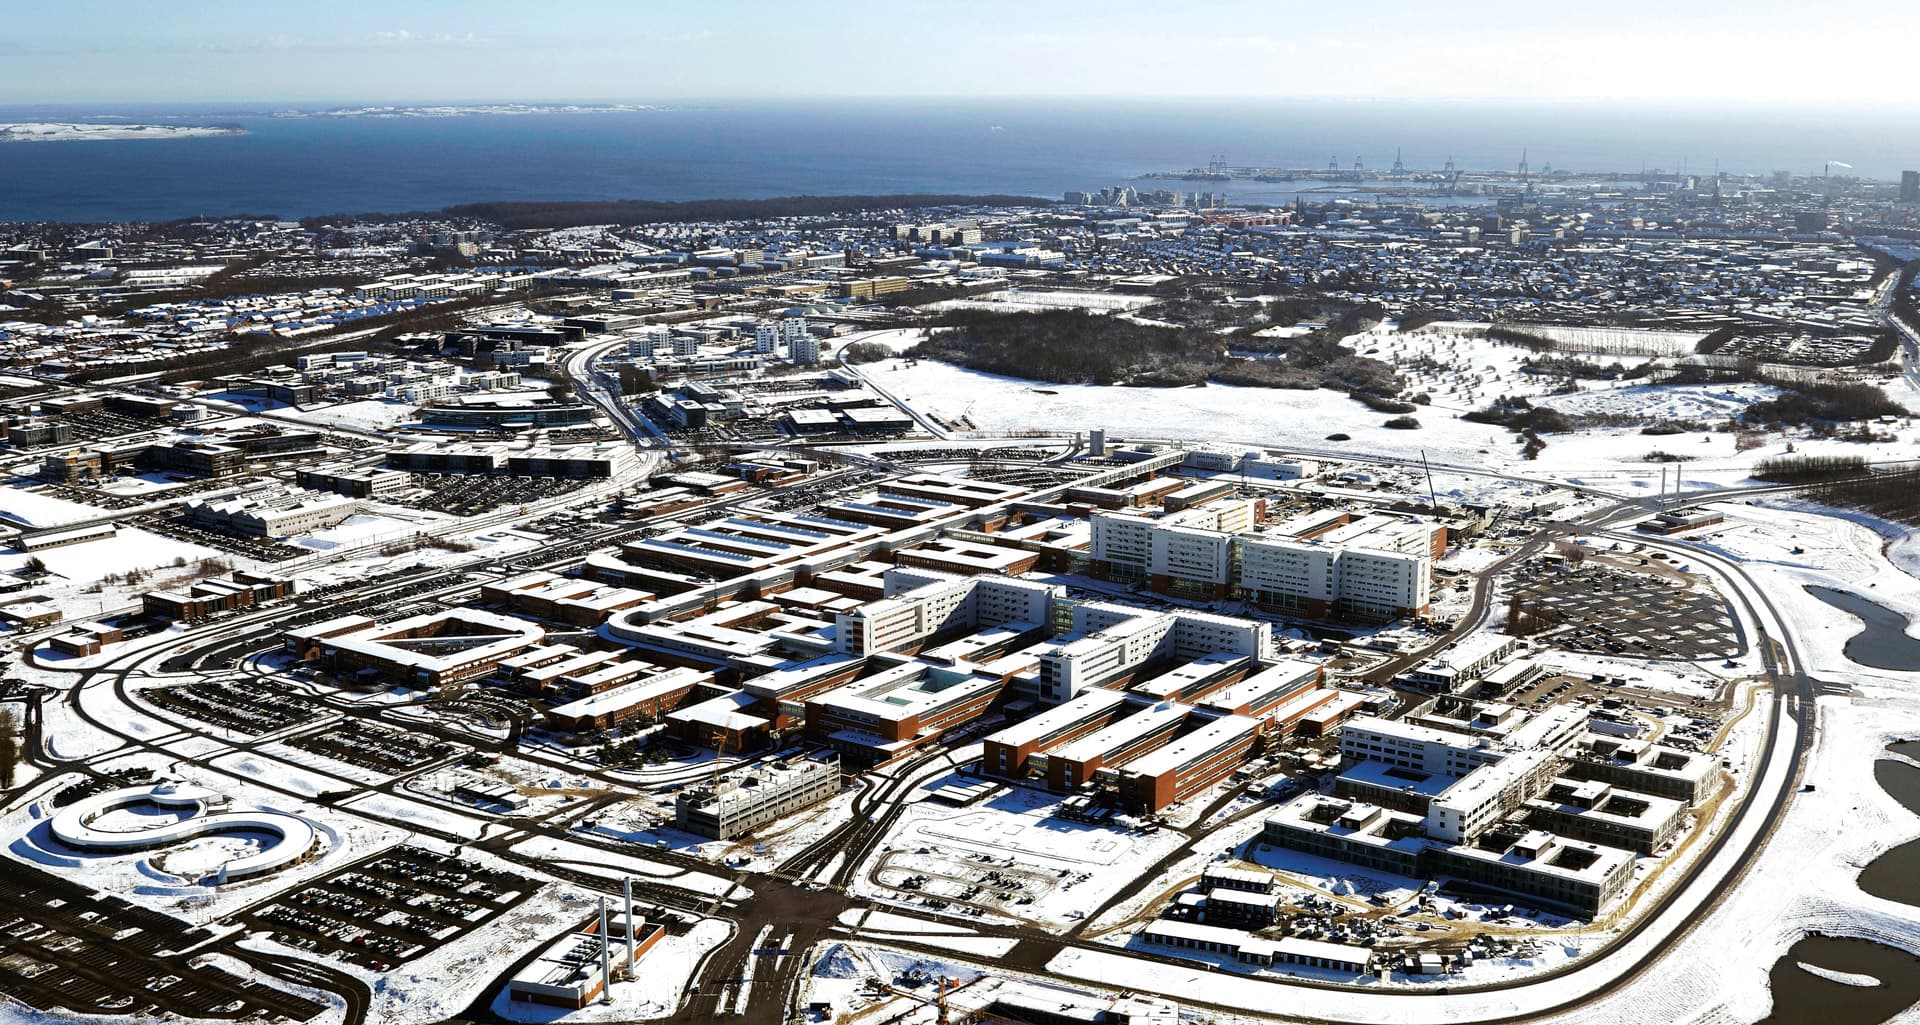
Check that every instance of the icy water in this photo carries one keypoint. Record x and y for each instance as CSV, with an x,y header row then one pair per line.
x,y
1895,875
1803,996
1800,996
1883,642
753,149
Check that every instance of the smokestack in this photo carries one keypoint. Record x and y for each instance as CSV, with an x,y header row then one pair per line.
x,y
606,958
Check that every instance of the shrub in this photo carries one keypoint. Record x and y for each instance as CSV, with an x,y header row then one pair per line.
x,y
864,352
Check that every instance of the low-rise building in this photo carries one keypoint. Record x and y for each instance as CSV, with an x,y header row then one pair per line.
x,y
1190,764
648,698
571,973
213,597
432,649
751,797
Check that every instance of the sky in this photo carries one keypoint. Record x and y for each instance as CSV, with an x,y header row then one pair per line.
x,y
409,51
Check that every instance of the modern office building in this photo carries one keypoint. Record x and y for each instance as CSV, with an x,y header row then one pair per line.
x,y
747,798
432,649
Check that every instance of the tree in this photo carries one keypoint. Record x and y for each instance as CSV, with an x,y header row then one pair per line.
x,y
36,567
9,746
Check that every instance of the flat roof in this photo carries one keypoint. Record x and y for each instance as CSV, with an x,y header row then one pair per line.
x,y
723,712
908,689
632,693
1087,705
1394,777
1208,667
1198,744
1480,785
1286,674
513,634
1416,733
1120,733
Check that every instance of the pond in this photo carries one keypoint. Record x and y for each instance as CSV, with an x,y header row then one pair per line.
x,y
1882,642
1861,983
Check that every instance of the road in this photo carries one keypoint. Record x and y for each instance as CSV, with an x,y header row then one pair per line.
x,y
798,904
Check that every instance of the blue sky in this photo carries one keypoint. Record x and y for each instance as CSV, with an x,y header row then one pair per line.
x,y
1760,51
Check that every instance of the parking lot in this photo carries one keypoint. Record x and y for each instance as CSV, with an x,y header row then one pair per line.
x,y
242,709
184,528
1616,612
98,424
377,746
392,908
469,494
975,882
66,948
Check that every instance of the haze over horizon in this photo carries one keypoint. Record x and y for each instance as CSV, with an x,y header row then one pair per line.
x,y
1636,52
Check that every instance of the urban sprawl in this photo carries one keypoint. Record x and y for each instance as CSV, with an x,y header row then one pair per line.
x,y
1420,601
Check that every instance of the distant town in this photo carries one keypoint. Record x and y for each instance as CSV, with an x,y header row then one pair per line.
x,y
1445,596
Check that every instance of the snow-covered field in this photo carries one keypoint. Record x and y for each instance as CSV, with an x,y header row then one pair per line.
x,y
364,528
364,415
1021,300
1699,402
1612,459
1255,416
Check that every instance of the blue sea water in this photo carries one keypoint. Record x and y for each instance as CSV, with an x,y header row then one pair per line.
x,y
297,167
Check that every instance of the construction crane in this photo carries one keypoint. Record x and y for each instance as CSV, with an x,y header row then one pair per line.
x,y
945,986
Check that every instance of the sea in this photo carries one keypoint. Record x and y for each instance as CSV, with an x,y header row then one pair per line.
x,y
294,167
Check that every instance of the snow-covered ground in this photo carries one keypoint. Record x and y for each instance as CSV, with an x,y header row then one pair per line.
x,y
616,866
364,415
1024,300
49,131
1462,369
1702,402
1804,880
1474,372
364,529
1065,867
840,972
1257,416
655,992
34,509
162,879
